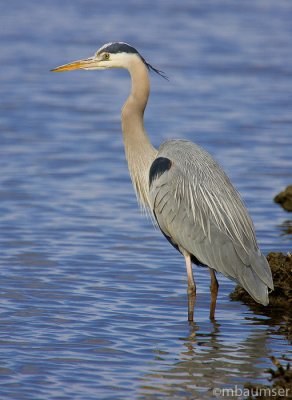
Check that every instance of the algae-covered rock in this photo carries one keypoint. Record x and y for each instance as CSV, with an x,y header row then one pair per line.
x,y
285,198
280,312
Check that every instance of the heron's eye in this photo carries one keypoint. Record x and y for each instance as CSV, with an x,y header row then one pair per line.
x,y
106,56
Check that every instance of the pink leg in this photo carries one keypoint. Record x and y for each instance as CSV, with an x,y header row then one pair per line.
x,y
214,291
191,288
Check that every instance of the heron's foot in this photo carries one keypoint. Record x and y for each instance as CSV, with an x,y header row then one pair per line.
x,y
191,302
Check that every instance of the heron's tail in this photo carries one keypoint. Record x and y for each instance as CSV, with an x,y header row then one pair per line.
x,y
256,278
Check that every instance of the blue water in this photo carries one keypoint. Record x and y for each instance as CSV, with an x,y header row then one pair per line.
x,y
93,299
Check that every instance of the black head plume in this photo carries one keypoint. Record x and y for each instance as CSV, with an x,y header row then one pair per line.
x,y
158,71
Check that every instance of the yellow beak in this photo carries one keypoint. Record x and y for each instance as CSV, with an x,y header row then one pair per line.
x,y
88,63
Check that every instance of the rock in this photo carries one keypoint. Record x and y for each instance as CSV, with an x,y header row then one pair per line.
x,y
285,198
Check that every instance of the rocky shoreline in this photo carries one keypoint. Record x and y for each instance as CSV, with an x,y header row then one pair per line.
x,y
280,309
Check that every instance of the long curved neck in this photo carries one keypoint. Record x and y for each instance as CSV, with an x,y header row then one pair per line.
x,y
139,151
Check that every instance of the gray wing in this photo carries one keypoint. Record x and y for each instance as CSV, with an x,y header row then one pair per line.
x,y
199,211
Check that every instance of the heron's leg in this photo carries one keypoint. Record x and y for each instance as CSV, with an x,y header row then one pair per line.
x,y
214,291
191,288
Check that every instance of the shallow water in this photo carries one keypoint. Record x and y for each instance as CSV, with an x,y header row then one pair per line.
x,y
93,299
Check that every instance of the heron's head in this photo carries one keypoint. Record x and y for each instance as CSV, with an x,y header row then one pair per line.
x,y
110,55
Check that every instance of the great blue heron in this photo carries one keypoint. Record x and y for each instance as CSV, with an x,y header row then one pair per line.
x,y
193,201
